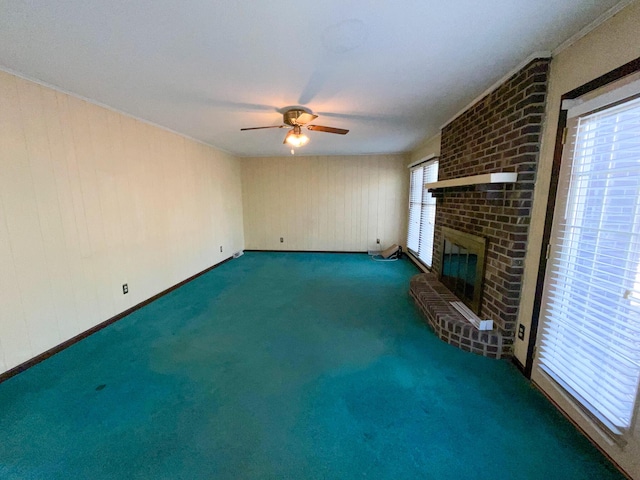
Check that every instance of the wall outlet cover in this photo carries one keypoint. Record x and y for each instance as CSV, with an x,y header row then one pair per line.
x,y
521,332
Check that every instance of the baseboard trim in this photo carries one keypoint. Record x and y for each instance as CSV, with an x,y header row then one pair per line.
x,y
66,344
303,251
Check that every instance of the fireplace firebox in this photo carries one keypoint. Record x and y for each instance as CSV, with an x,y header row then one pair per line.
x,y
463,266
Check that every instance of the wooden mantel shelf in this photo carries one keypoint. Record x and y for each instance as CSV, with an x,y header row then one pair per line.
x,y
503,177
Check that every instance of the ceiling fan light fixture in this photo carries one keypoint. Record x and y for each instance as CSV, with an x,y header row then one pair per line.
x,y
299,118
296,138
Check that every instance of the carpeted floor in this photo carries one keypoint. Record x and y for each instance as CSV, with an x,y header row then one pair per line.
x,y
283,366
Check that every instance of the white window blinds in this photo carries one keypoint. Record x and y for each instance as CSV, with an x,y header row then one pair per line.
x,y
422,212
415,206
590,329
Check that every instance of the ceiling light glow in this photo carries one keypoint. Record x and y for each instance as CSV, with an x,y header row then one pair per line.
x,y
296,138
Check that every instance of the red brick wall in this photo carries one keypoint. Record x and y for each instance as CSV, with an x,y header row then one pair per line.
x,y
500,133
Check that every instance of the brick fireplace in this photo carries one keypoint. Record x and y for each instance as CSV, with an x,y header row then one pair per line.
x,y
500,133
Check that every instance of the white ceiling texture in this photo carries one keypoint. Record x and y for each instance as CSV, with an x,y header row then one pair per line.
x,y
391,72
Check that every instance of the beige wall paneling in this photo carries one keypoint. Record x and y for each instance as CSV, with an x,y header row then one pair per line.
x,y
392,220
311,206
323,240
323,203
24,205
231,202
130,187
264,216
50,234
186,223
373,201
7,281
287,208
126,252
343,207
171,160
94,256
352,204
277,216
150,207
363,183
396,188
217,209
254,211
301,210
331,205
2,361
108,264
73,216
249,210
211,234
14,340
91,199
61,237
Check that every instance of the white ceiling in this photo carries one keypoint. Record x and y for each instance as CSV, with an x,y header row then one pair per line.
x,y
391,72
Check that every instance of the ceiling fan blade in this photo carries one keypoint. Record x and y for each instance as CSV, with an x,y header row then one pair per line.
x,y
260,128
320,128
305,118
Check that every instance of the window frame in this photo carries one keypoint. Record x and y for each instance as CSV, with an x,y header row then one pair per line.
x,y
622,451
423,214
564,289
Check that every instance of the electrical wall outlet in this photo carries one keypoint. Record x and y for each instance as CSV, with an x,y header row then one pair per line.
x,y
378,241
220,247
521,332
281,240
125,288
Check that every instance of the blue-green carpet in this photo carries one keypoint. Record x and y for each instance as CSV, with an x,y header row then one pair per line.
x,y
283,366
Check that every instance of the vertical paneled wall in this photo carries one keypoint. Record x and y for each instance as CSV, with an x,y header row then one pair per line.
x,y
341,203
91,199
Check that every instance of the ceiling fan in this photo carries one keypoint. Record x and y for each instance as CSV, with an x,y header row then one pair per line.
x,y
299,118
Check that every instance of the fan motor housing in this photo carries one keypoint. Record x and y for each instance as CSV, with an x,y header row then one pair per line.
x,y
290,116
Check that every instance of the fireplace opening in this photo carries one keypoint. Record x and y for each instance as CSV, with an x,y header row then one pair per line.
x,y
463,266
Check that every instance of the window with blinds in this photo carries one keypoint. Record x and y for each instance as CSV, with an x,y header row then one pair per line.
x,y
589,342
422,211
